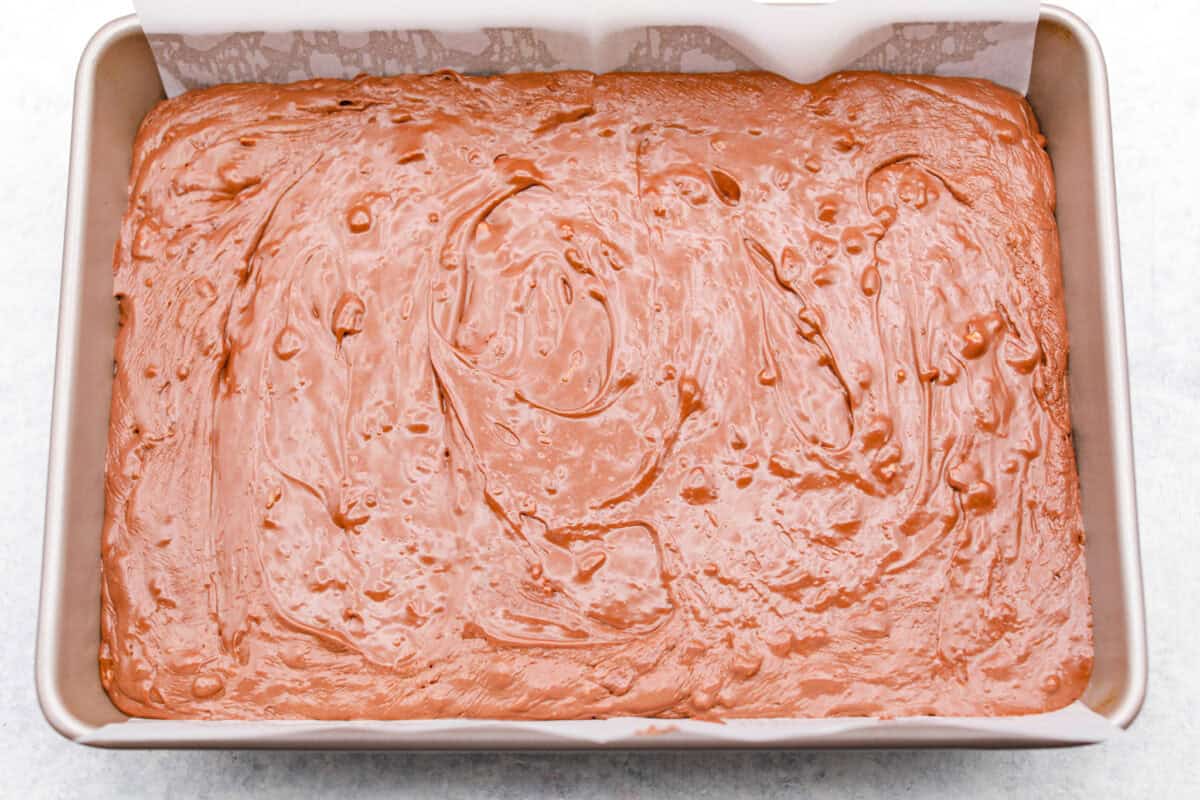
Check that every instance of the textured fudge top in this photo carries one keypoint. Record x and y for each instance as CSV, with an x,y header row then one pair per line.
x,y
560,396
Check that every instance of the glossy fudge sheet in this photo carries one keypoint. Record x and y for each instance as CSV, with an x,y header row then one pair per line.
x,y
559,396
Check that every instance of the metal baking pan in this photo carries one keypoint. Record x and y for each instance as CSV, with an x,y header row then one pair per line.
x,y
118,83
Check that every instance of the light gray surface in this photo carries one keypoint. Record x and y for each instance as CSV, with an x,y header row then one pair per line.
x,y
1156,99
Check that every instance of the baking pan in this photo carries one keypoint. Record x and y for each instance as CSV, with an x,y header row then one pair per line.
x,y
118,83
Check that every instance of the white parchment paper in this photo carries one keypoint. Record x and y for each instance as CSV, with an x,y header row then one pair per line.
x,y
222,41
1075,724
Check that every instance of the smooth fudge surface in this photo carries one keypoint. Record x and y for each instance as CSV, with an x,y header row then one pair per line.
x,y
563,396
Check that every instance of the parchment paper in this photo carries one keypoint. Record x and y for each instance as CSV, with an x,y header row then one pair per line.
x,y
224,41
277,41
1075,724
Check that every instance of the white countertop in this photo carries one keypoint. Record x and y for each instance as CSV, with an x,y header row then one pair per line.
x,y
1155,82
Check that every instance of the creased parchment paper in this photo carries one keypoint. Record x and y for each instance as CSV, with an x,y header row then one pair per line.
x,y
1075,724
223,41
